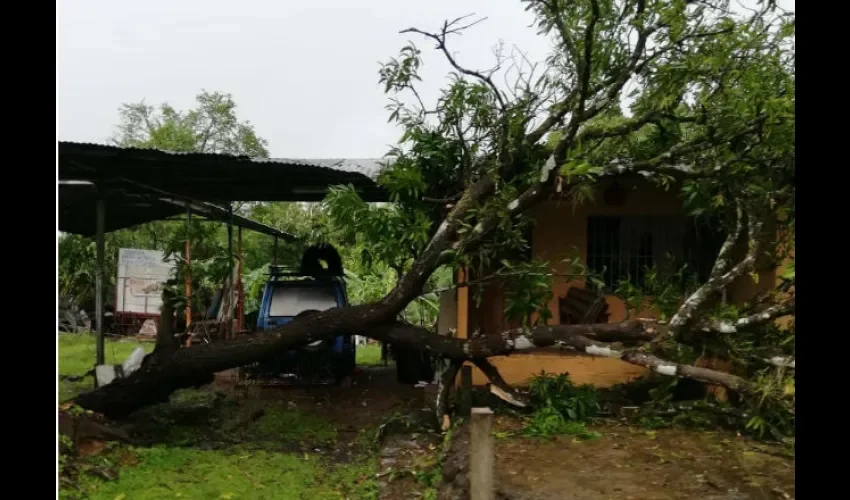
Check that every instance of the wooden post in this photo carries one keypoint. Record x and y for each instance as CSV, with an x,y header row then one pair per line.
x,y
274,258
100,225
465,392
481,455
231,319
188,269
240,298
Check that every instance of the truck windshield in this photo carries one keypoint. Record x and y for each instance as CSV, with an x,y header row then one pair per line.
x,y
291,300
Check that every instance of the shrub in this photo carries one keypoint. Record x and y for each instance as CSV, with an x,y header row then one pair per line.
x,y
561,407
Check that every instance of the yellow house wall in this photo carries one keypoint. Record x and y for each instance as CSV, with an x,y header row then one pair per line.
x,y
560,232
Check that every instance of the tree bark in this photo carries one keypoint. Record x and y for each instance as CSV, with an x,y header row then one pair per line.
x,y
499,387
707,375
167,370
165,332
444,390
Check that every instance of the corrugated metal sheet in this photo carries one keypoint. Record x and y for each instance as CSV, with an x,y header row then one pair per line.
x,y
370,167
125,177
218,177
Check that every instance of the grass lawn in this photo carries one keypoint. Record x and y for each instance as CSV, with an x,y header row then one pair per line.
x,y
369,355
203,447
77,354
172,472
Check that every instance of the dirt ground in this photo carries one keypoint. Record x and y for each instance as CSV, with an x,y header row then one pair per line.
x,y
632,463
373,396
626,462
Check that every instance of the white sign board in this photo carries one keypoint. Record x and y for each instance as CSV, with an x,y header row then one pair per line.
x,y
141,276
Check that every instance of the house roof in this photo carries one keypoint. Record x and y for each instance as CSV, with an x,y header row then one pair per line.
x,y
142,185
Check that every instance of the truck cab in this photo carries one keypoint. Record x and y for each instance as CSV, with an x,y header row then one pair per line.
x,y
287,295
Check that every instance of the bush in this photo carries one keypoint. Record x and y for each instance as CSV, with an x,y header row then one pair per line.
x,y
561,407
575,403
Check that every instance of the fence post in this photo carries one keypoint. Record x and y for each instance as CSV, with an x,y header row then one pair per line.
x,y
481,455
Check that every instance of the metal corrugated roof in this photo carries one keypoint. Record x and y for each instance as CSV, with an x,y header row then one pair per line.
x,y
370,167
219,177
126,177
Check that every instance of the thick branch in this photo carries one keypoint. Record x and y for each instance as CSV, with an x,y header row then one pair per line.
x,y
486,346
165,371
444,388
574,337
718,280
757,319
628,126
707,375
499,387
613,84
409,285
587,63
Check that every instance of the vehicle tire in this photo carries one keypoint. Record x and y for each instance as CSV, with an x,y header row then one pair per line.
x,y
344,368
426,367
408,364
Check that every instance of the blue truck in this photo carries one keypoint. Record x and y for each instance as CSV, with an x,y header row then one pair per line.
x,y
315,287
288,295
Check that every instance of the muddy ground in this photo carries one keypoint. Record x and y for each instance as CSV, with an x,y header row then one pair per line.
x,y
633,463
626,462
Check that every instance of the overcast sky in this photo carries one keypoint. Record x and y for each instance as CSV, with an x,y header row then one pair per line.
x,y
304,73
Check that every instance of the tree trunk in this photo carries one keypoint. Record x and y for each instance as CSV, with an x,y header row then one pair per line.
x,y
170,369
165,332
167,370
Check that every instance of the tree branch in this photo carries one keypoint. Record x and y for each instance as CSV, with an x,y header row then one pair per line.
x,y
757,319
444,388
782,362
441,44
486,346
627,127
499,387
700,374
409,285
573,337
718,280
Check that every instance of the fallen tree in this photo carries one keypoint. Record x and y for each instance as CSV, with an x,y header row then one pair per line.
x,y
470,167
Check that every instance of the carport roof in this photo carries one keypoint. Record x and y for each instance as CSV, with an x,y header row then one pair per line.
x,y
142,185
220,178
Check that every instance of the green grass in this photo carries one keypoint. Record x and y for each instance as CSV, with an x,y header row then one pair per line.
x,y
280,424
77,354
253,466
165,472
369,355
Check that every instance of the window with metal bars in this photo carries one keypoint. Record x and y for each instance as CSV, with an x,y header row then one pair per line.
x,y
623,248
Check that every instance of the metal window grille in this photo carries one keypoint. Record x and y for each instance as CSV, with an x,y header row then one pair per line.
x,y
623,248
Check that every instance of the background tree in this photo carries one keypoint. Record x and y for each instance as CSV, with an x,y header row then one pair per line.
x,y
214,127
636,86
211,127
